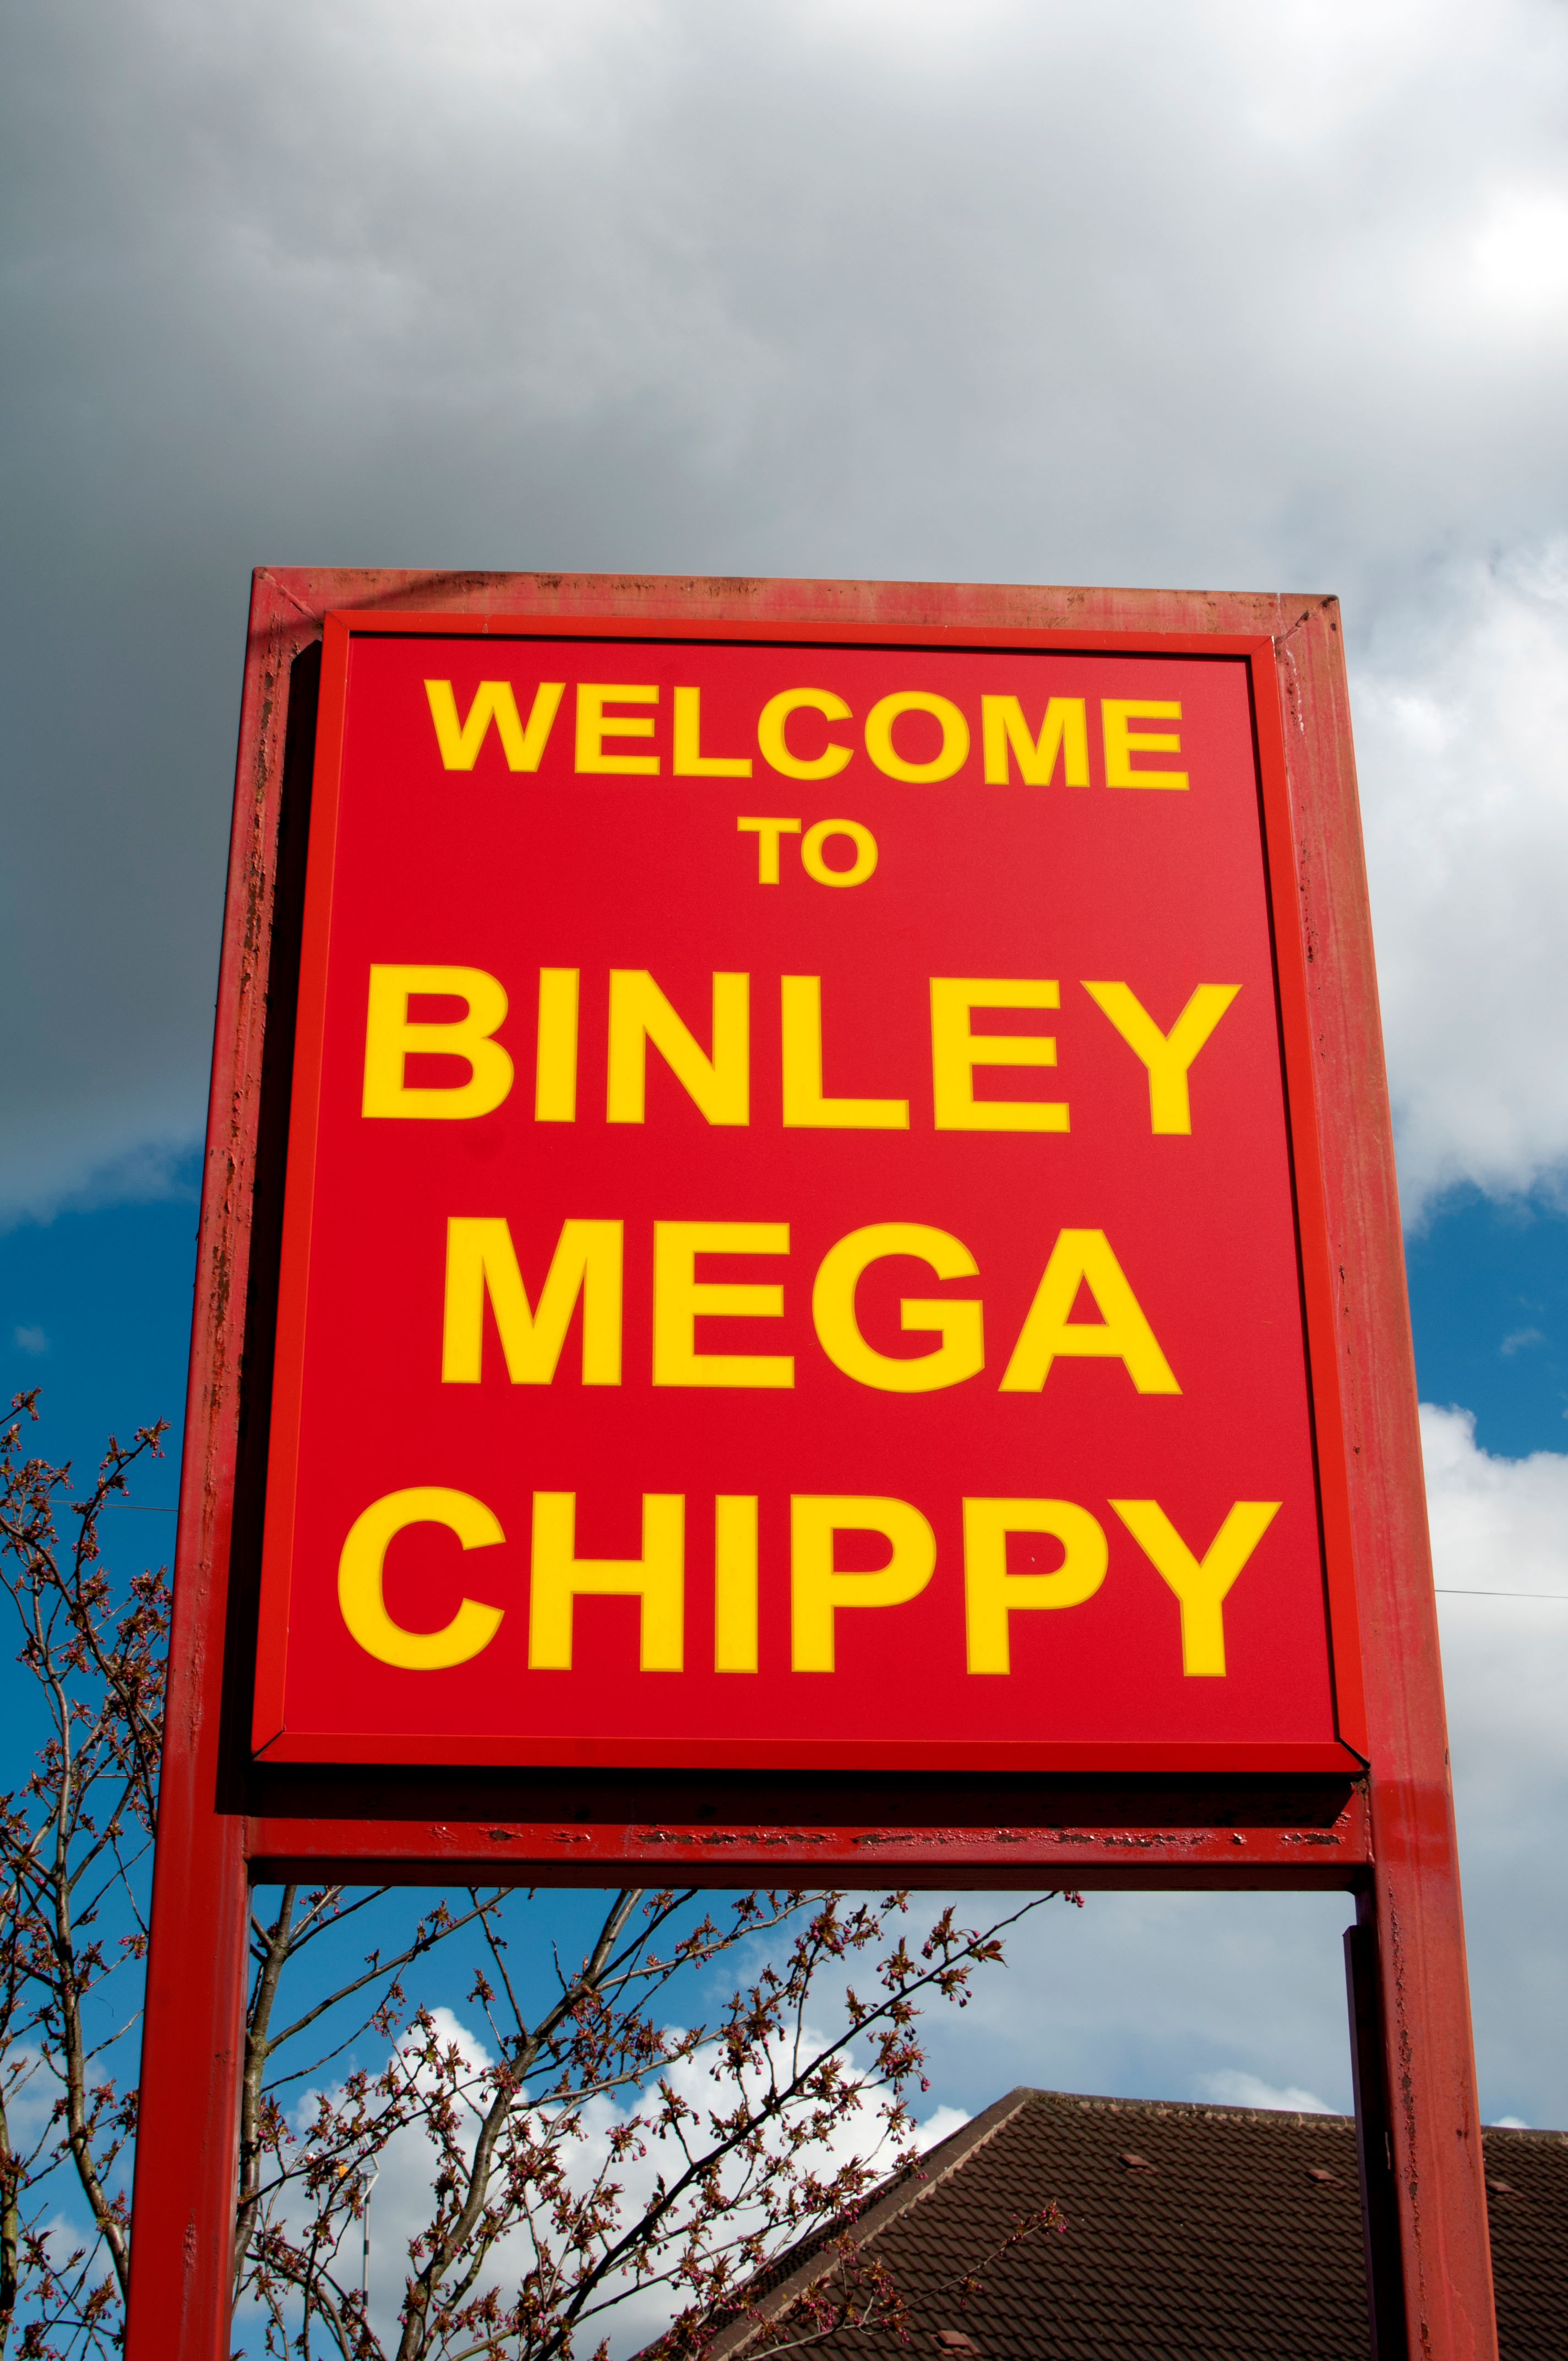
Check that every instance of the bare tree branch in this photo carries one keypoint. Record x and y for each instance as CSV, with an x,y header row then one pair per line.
x,y
595,2151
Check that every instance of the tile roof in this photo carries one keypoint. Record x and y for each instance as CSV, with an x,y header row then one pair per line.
x,y
1194,2234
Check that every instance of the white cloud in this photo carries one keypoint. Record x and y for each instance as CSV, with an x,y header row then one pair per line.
x,y
1159,1996
1230,2088
30,1340
1520,253
938,2125
31,2091
1461,726
1501,1526
66,1170
400,2203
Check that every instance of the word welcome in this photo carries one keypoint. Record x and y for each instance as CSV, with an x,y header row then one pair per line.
x,y
1061,740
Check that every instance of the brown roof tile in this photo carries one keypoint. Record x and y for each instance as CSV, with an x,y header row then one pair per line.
x,y
1194,2234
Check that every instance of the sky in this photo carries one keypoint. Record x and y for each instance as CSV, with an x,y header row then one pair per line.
x,y
1196,294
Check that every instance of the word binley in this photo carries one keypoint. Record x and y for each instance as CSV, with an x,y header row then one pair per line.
x,y
718,1081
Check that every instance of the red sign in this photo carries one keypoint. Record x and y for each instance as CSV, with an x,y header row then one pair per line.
x,y
792,1249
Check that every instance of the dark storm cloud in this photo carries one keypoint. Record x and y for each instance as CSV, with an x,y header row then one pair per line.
x,y
1139,294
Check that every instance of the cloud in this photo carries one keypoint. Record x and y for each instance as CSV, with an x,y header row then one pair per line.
x,y
30,2091
49,1176
1231,2089
30,1340
1013,291
1159,1996
400,2200
1501,1526
938,2125
1463,738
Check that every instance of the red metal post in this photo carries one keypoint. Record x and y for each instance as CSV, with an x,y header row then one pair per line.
x,y
1374,2144
1413,1907
182,2253
183,2211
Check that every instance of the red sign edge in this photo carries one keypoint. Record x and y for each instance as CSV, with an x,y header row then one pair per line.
x,y
269,1735
1312,1230
508,1748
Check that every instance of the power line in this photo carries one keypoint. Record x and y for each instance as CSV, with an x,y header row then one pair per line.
x,y
1446,1591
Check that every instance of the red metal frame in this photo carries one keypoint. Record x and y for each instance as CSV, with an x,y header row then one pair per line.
x,y
1386,1834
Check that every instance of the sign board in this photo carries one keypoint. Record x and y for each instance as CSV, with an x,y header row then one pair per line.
x,y
801,1229
800,1282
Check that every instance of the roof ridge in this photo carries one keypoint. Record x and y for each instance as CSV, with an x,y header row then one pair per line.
x,y
1205,2109
1202,2110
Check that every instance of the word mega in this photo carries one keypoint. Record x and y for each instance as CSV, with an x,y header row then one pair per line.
x,y
790,1238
